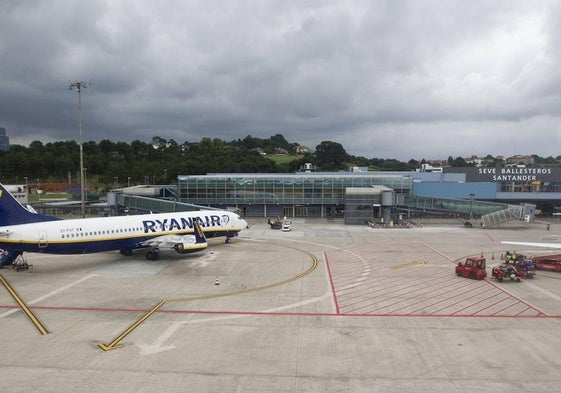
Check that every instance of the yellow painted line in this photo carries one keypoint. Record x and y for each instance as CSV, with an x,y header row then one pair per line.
x,y
276,284
115,343
24,307
414,263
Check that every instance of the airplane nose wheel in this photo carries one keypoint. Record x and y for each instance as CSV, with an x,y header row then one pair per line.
x,y
153,255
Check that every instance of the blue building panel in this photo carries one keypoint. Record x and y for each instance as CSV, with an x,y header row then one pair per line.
x,y
455,190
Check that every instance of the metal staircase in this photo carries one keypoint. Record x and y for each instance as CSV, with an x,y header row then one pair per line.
x,y
512,212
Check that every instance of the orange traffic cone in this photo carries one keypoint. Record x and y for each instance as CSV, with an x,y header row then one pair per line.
x,y
217,281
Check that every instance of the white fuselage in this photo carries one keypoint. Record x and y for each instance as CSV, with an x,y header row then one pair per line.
x,y
113,233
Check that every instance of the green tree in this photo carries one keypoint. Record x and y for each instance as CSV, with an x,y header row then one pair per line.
x,y
331,156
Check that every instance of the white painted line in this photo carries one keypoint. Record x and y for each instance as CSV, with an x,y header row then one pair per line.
x,y
544,291
48,295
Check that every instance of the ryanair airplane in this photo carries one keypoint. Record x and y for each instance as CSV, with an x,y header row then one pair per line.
x,y
23,230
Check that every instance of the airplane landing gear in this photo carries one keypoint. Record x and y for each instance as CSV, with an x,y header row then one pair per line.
x,y
153,255
126,252
229,237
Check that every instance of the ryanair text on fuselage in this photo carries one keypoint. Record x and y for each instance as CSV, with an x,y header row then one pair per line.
x,y
172,224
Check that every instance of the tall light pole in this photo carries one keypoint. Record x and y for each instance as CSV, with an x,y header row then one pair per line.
x,y
78,86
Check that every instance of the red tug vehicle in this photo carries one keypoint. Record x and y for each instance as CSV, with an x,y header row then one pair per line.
x,y
473,267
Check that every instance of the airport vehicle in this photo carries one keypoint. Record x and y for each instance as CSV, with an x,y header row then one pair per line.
x,y
548,262
472,267
21,264
507,271
527,267
287,226
275,224
22,230
513,256
520,262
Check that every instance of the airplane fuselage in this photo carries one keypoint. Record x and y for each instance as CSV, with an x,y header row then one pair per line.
x,y
77,236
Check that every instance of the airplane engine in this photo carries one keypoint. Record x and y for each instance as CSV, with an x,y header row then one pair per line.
x,y
179,247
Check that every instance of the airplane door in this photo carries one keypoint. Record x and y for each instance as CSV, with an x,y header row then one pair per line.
x,y
43,239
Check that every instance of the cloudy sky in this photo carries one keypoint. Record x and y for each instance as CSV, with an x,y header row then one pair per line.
x,y
387,79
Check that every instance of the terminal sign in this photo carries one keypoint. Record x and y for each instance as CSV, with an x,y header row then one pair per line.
x,y
514,174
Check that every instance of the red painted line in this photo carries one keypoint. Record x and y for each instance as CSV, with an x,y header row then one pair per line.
x,y
515,297
438,294
470,286
196,312
394,292
337,310
486,307
526,309
506,308
419,292
415,294
472,300
380,285
490,238
470,289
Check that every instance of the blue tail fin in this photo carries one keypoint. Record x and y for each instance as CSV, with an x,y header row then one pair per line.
x,y
13,213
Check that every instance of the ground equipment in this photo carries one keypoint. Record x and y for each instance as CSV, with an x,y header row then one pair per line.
x,y
473,267
548,262
507,271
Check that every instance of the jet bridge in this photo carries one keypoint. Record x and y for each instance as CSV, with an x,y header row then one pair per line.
x,y
489,213
123,204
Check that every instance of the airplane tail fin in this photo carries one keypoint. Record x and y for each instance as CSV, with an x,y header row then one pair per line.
x,y
13,213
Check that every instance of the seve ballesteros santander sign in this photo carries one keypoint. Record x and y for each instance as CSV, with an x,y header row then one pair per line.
x,y
510,174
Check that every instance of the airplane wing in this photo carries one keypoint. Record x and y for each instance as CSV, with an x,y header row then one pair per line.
x,y
181,243
547,245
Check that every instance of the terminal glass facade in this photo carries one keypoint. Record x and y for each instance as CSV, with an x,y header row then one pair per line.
x,y
292,195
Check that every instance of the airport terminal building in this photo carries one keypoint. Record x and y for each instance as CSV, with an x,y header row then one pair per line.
x,y
488,195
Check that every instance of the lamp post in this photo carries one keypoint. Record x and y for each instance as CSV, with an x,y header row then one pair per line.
x,y
471,196
78,86
85,184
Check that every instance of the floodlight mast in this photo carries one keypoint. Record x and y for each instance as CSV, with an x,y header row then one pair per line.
x,y
78,86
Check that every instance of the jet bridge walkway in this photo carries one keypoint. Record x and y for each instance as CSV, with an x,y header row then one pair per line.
x,y
156,205
489,213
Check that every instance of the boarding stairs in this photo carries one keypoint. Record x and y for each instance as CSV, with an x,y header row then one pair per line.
x,y
512,212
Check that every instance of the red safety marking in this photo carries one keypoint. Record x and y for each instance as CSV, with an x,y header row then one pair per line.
x,y
337,311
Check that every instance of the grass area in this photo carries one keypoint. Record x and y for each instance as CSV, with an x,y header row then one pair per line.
x,y
283,158
43,197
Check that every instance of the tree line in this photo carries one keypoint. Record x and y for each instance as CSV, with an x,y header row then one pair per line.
x,y
161,161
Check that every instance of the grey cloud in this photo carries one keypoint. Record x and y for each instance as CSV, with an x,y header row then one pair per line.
x,y
391,79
